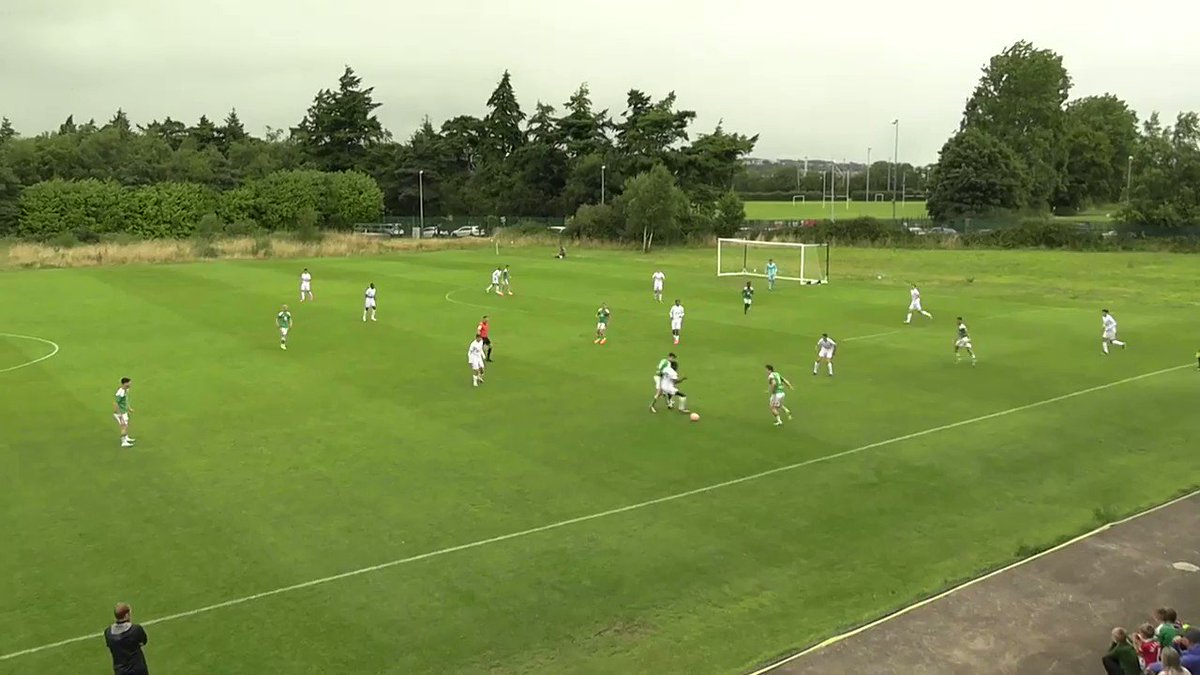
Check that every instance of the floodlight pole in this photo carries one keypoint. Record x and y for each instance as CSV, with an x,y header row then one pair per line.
x,y
1129,179
603,177
896,162
867,189
847,165
421,192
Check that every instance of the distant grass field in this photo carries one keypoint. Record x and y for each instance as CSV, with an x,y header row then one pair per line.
x,y
815,210
546,521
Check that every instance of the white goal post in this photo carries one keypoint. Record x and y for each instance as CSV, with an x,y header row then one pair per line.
x,y
806,263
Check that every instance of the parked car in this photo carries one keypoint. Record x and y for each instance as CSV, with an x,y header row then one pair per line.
x,y
942,231
467,231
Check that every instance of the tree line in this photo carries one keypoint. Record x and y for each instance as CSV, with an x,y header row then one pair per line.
x,y
1024,146
551,161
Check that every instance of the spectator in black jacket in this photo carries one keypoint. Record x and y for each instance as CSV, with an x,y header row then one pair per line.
x,y
125,640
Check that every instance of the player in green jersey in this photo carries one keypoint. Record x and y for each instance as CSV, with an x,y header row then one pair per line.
x,y
663,366
747,298
602,316
775,385
963,342
506,280
121,411
284,320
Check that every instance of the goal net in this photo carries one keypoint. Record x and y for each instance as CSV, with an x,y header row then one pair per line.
x,y
806,263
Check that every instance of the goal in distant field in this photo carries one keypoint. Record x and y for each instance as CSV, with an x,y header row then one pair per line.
x,y
806,263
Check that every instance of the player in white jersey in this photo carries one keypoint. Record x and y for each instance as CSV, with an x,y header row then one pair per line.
x,y
915,305
668,381
676,315
369,302
826,348
495,283
658,278
305,285
663,364
475,360
1110,331
963,341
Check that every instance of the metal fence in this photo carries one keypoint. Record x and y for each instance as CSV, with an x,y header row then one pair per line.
x,y
455,226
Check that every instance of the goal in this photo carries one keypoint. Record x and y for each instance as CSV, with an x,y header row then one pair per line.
x,y
806,263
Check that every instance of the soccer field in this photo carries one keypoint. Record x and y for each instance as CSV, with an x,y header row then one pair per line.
x,y
815,210
353,505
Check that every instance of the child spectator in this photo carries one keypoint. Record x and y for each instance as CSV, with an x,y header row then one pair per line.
x,y
1171,664
1148,648
1167,631
1121,658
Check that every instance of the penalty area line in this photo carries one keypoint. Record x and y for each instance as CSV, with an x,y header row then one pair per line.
x,y
602,514
53,351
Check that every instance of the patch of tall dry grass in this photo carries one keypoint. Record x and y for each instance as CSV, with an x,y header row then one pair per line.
x,y
159,251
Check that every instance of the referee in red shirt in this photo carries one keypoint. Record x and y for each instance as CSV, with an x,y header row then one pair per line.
x,y
482,329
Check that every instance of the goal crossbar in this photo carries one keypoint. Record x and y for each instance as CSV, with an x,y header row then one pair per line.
x,y
806,263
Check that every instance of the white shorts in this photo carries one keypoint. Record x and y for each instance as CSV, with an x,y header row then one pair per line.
x,y
825,354
963,343
283,331
676,324
122,418
667,387
369,304
305,286
476,364
1110,335
747,302
601,326
776,400
915,306
658,288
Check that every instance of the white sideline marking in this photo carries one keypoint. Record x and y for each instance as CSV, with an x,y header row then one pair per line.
x,y
53,351
872,335
602,514
464,303
967,584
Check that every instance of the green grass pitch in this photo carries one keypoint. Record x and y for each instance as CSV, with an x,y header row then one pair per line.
x,y
815,210
258,470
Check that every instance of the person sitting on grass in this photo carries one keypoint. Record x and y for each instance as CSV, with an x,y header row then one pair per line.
x,y
1121,658
1188,646
1172,664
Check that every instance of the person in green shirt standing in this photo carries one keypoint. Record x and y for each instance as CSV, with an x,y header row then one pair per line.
x,y
284,320
602,316
121,411
747,298
775,385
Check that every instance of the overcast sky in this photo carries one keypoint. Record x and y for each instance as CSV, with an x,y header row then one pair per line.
x,y
819,79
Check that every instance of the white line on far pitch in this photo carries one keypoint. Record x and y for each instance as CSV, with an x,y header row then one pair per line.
x,y
602,514
53,351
